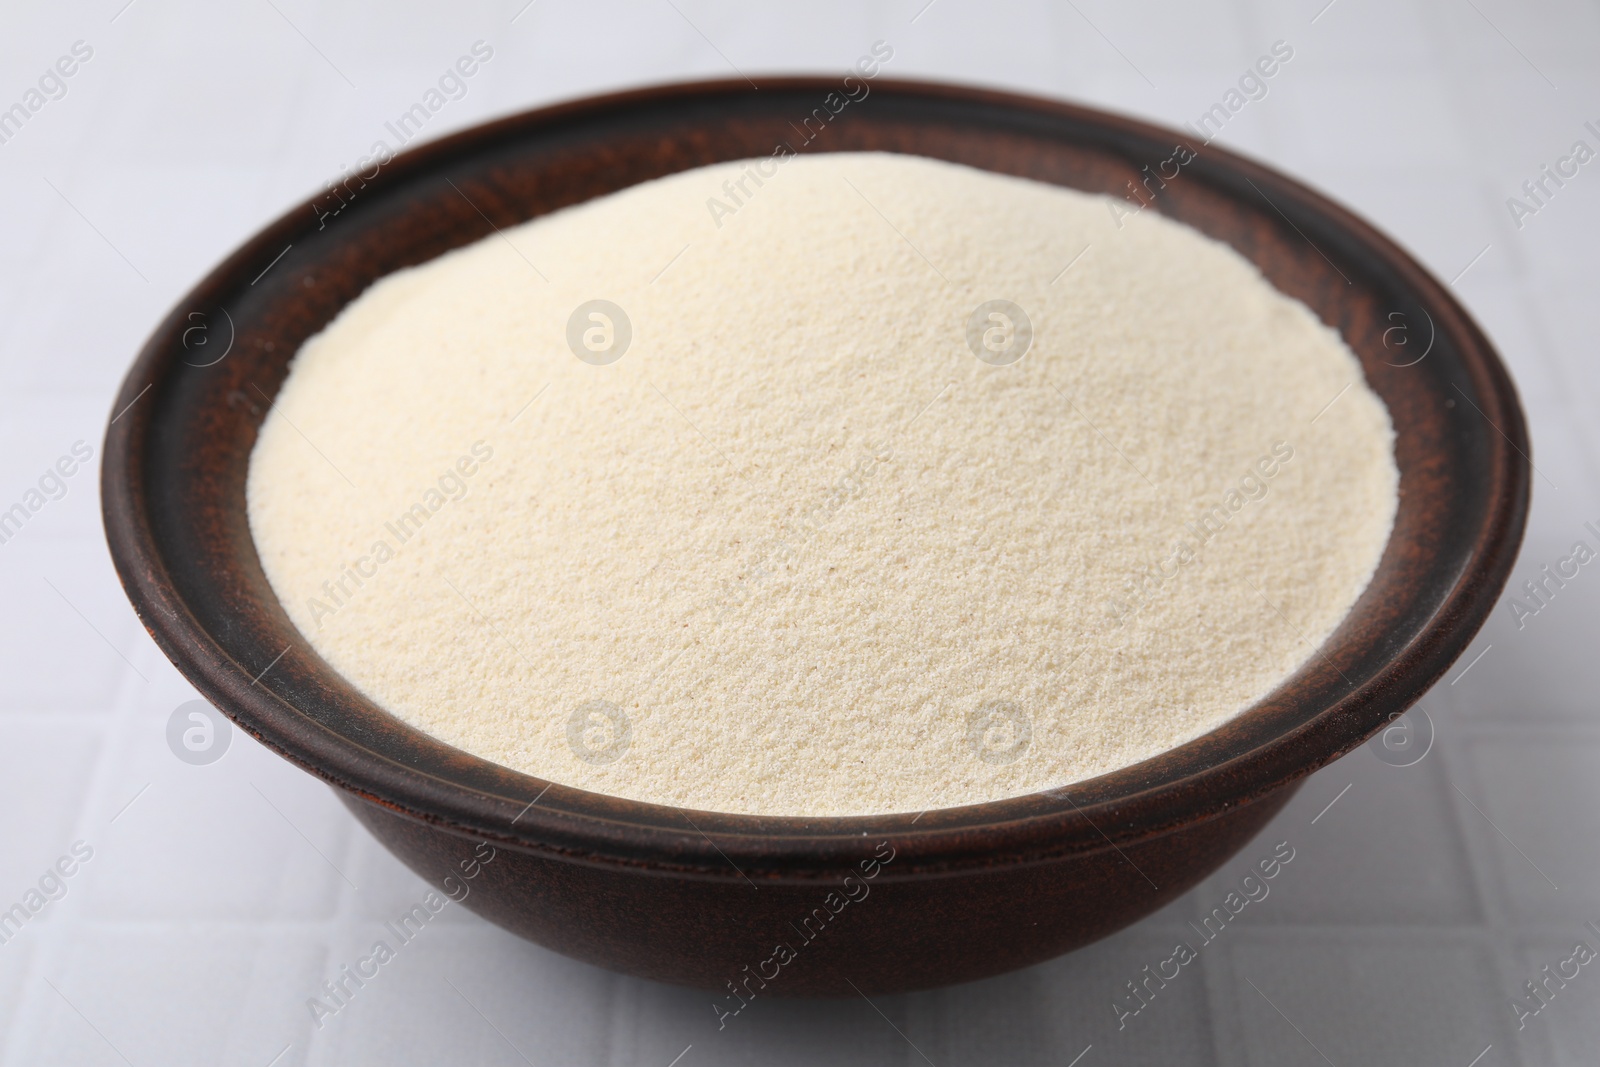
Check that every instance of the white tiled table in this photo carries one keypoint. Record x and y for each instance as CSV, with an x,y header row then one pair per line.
x,y
221,896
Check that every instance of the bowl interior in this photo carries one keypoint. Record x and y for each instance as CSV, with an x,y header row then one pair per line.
x,y
187,419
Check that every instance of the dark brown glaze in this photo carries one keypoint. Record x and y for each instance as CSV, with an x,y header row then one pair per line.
x,y
883,933
695,897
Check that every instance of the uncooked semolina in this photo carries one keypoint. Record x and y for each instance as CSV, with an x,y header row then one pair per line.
x,y
758,510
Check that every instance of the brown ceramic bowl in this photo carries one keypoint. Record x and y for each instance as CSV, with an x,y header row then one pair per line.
x,y
701,898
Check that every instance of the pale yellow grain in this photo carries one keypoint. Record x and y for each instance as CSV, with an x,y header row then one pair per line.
x,y
640,536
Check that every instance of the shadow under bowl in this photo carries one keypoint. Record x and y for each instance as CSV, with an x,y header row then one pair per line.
x,y
702,898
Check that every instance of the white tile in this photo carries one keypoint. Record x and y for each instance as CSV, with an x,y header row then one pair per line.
x,y
1401,119
1569,321
245,837
1534,665
1369,997
45,771
1533,799
1057,1008
1339,35
1359,865
38,437
175,994
1559,1024
466,995
68,639
16,963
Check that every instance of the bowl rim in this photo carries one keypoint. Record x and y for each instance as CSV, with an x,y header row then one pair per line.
x,y
574,825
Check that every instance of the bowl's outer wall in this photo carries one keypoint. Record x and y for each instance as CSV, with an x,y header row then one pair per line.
x,y
876,935
177,454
